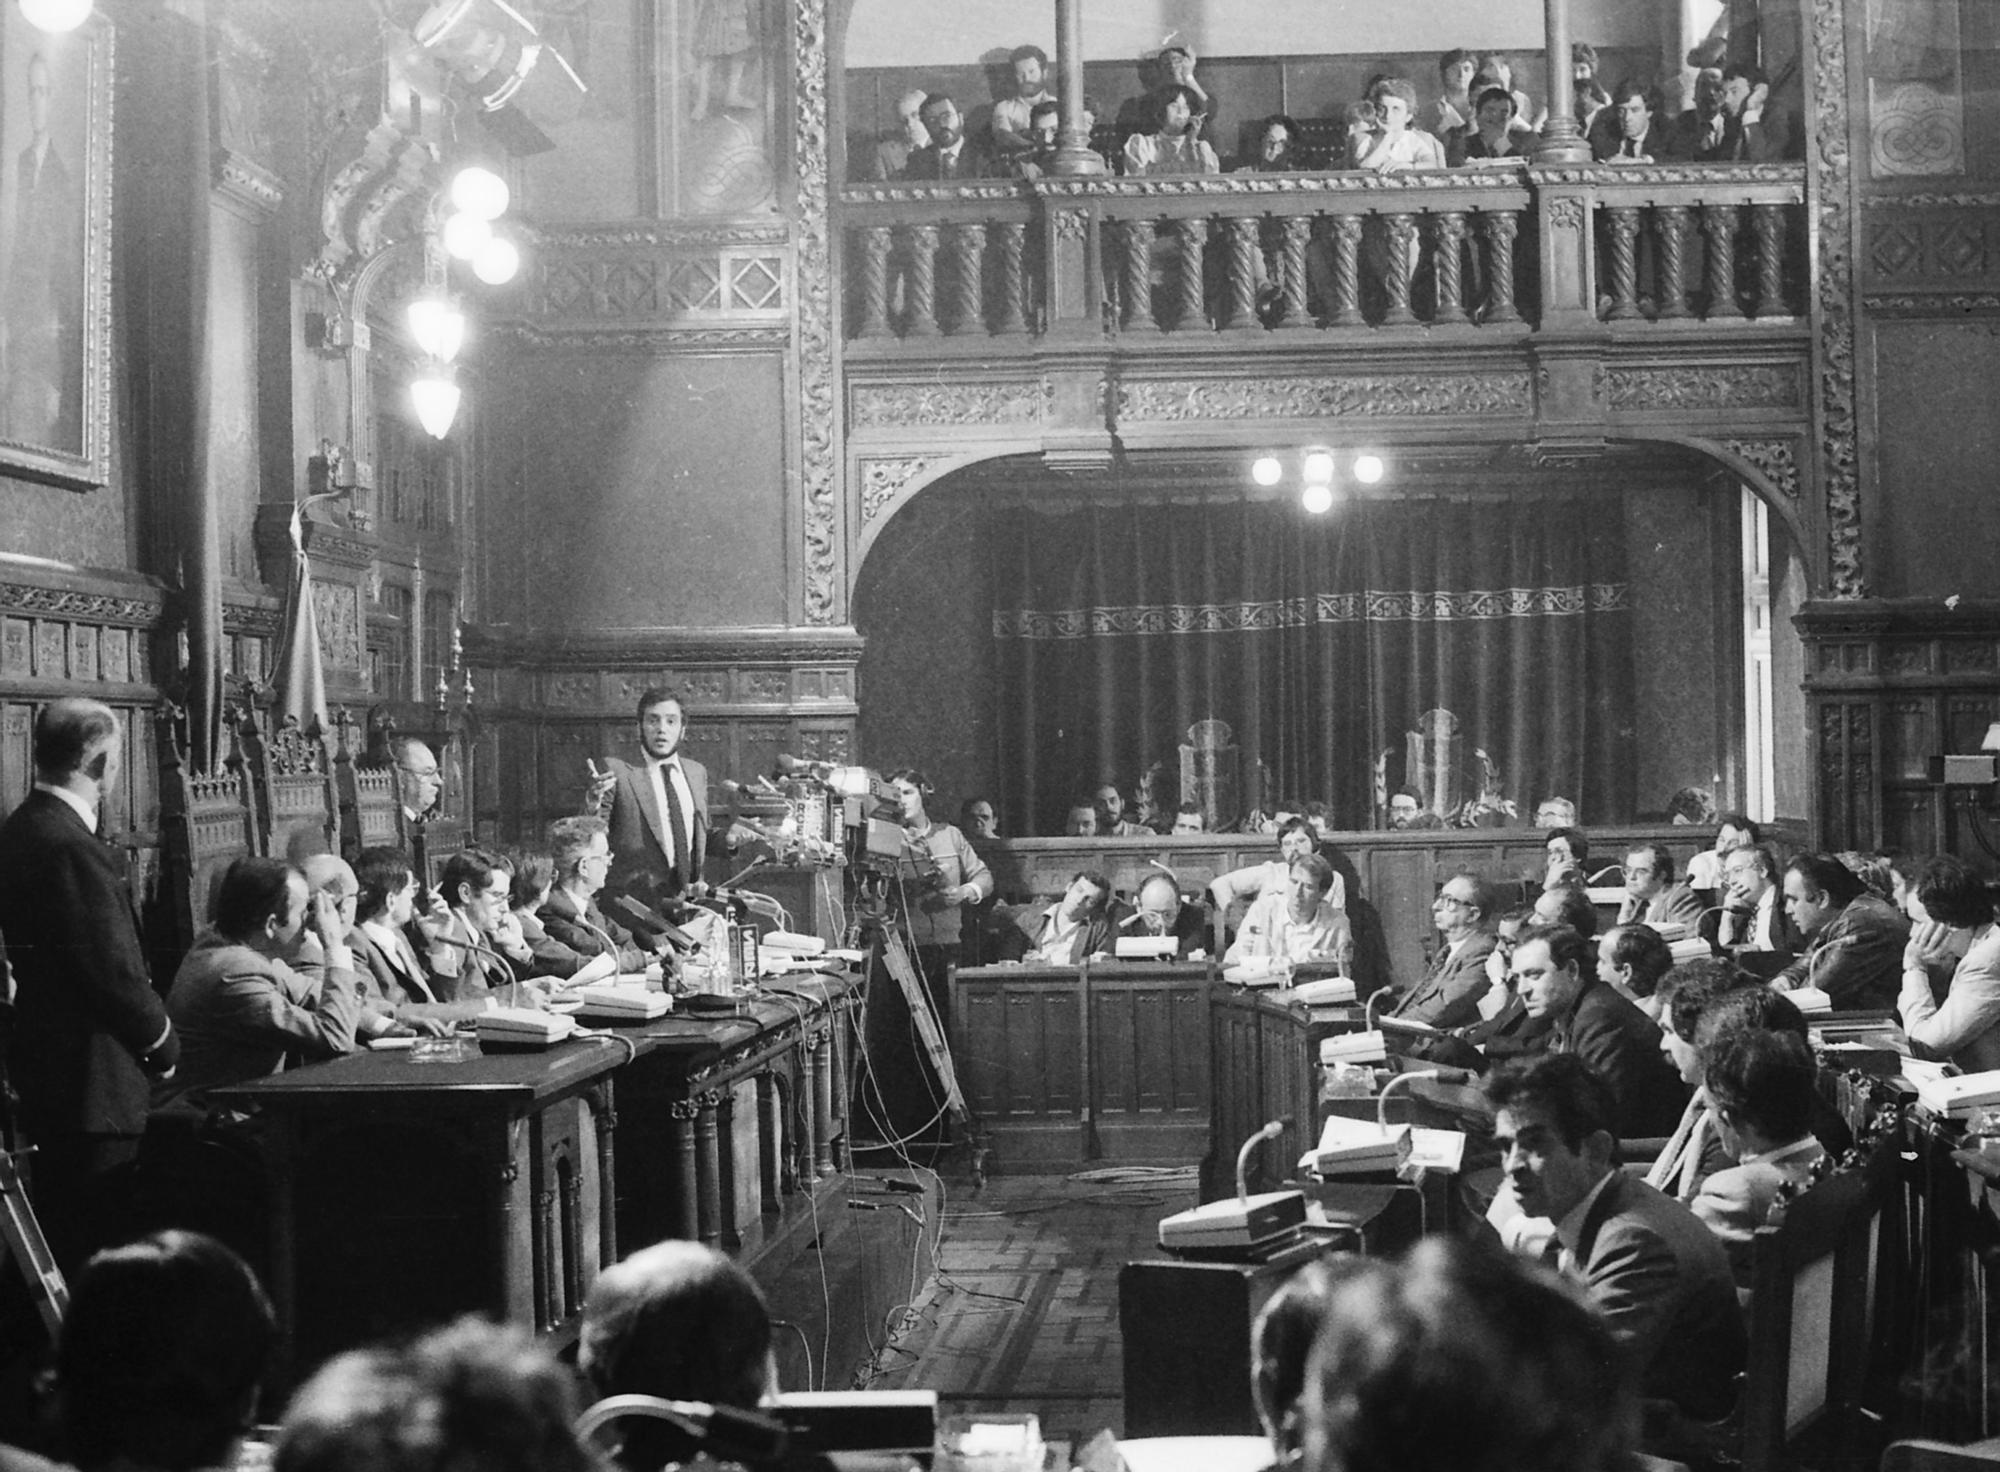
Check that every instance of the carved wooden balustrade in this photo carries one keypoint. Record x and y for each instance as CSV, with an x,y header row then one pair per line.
x,y
1250,255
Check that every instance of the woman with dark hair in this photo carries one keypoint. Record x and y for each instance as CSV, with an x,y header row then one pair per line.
x,y
1965,1027
1172,142
162,1355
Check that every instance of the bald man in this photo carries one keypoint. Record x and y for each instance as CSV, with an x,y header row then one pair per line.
x,y
381,1013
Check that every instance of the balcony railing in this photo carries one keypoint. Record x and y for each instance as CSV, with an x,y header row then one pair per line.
x,y
1251,254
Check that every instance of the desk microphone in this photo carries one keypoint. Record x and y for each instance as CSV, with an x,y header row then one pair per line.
x,y
800,767
1438,1075
484,950
1270,1131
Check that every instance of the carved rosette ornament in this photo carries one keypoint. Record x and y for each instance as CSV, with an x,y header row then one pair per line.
x,y
818,465
1835,290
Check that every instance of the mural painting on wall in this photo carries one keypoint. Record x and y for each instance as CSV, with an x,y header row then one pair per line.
x,y
729,58
1916,102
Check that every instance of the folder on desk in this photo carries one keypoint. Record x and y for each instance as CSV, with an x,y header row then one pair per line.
x,y
523,1027
606,1002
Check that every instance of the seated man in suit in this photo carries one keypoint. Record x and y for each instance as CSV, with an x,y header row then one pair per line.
x,y
240,1008
476,951
419,783
1112,821
532,884
1566,902
1658,1278
1854,941
1651,895
380,1009
1630,130
1752,915
949,154
580,847
1297,923
1631,959
1070,931
385,914
1761,1085
1162,911
1555,971
1450,993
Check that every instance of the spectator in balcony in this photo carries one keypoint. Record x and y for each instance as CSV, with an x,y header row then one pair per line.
x,y
977,819
1751,132
1582,62
1394,145
1044,128
1081,820
1697,134
1628,131
1588,101
1453,109
1499,70
1172,144
1276,148
893,149
1190,819
1013,117
949,154
1112,821
1492,135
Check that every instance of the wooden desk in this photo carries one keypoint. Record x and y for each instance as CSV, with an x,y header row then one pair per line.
x,y
1102,1062
406,1192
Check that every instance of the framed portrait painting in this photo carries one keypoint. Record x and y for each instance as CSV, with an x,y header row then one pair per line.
x,y
55,252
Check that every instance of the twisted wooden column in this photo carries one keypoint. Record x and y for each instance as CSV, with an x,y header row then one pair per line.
x,y
966,244
872,313
1500,227
708,1168
1013,281
1292,270
1137,237
1402,258
1190,236
1672,220
922,291
1448,236
1624,262
1346,272
1718,227
1769,223
1239,298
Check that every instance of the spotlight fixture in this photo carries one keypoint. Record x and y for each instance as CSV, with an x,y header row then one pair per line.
x,y
479,192
1368,469
1267,470
496,261
56,16
465,233
1317,497
1316,468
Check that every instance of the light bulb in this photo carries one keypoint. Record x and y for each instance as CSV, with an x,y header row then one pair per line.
x,y
56,16
464,234
1266,470
1317,467
437,326
1317,498
479,192
496,261
436,399
1368,469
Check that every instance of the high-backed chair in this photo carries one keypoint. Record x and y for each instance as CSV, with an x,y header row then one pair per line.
x,y
292,785
370,816
207,821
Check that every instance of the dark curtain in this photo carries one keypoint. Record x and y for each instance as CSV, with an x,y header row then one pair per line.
x,y
1320,641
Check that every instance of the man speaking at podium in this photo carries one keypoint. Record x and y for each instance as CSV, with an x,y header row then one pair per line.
x,y
658,814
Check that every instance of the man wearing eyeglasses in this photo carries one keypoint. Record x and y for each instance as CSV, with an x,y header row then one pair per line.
x,y
1450,992
1752,916
581,848
1651,895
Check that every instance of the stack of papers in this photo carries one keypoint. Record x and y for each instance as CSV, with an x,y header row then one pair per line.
x,y
1354,1047
1349,1146
1961,1096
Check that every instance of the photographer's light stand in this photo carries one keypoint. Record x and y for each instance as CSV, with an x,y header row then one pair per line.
x,y
30,1249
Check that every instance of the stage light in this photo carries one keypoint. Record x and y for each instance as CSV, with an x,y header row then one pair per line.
x,y
464,234
1368,469
437,326
1266,470
1316,467
496,261
436,400
481,192
1317,498
56,16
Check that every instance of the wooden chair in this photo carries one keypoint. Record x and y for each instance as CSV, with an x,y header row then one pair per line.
x,y
292,785
369,814
1809,1313
208,823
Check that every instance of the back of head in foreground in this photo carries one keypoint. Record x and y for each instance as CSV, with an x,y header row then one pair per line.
x,y
1460,1359
162,1354
474,1396
680,1321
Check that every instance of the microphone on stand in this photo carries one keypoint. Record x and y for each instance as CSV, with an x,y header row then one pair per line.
x,y
1270,1131
801,767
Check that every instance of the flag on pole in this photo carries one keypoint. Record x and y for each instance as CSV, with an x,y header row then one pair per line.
x,y
300,678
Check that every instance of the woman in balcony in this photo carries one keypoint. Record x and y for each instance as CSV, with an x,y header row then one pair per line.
x,y
1174,144
1394,145
1492,136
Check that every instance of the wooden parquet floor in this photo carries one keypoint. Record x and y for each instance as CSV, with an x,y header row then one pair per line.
x,y
1023,1313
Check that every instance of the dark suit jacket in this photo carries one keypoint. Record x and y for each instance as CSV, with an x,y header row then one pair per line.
x,y
1661,1281
1857,957
1676,904
1091,937
1449,994
1191,931
85,1009
578,927
1607,139
927,163
396,989
639,866
1623,1045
